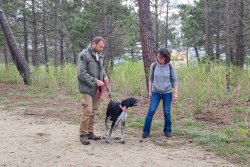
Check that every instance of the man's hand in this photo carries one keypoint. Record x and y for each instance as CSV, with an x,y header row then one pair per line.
x,y
99,83
106,79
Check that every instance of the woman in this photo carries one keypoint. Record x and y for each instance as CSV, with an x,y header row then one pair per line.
x,y
162,81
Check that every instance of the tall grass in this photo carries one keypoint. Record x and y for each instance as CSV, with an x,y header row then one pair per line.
x,y
41,78
128,78
196,87
9,74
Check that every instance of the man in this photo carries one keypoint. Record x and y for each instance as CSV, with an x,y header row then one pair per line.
x,y
91,77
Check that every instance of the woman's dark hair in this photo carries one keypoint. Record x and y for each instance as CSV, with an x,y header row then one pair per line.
x,y
164,52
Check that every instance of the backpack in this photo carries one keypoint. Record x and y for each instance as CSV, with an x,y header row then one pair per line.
x,y
153,70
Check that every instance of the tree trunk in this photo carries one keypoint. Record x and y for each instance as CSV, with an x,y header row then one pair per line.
x,y
156,26
74,54
146,36
218,25
17,56
45,48
208,35
240,36
166,38
105,34
25,34
56,34
197,54
61,47
5,53
228,45
35,58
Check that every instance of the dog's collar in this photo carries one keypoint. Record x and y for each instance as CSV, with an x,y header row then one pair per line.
x,y
124,109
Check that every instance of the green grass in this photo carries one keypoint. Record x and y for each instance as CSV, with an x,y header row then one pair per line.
x,y
40,79
135,122
25,103
128,78
75,122
225,143
239,109
3,100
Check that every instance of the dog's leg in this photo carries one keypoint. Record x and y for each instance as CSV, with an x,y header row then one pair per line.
x,y
122,133
106,128
116,129
110,132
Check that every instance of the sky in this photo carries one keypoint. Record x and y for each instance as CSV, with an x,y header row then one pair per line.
x,y
185,1
130,2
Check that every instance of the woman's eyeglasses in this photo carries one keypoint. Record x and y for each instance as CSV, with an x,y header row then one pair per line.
x,y
160,57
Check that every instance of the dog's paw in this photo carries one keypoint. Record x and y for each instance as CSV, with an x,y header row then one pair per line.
x,y
104,137
123,142
107,139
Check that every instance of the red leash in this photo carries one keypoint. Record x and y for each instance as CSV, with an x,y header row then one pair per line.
x,y
123,108
100,93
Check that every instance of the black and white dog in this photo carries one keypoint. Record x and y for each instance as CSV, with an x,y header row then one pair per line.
x,y
117,113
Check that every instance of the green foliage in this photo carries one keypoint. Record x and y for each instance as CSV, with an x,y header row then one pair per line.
x,y
128,78
223,143
239,109
56,77
136,122
190,123
9,74
192,24
196,88
229,132
131,32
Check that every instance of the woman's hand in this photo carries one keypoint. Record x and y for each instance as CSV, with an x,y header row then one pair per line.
x,y
175,97
149,94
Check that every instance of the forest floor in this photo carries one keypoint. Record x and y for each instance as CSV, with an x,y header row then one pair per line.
x,y
40,128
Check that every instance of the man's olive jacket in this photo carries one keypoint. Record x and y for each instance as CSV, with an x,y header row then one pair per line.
x,y
89,70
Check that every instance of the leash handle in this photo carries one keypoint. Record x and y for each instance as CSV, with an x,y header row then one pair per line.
x,y
102,90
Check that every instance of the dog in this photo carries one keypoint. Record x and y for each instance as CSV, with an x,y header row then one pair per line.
x,y
117,113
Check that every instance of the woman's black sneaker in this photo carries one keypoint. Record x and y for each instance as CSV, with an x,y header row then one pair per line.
x,y
144,135
168,134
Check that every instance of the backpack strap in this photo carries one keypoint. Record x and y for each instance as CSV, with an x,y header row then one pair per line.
x,y
170,68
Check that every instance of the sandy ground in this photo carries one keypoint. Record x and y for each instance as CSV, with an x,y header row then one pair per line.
x,y
39,141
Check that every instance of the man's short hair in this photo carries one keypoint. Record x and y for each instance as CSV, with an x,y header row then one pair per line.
x,y
98,39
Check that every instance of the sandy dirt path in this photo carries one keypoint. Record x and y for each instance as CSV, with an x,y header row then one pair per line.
x,y
39,141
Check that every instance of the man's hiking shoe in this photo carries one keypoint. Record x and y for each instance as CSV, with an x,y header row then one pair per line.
x,y
92,136
84,140
168,134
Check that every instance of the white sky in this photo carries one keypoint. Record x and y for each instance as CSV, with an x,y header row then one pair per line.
x,y
185,1
131,3
179,1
